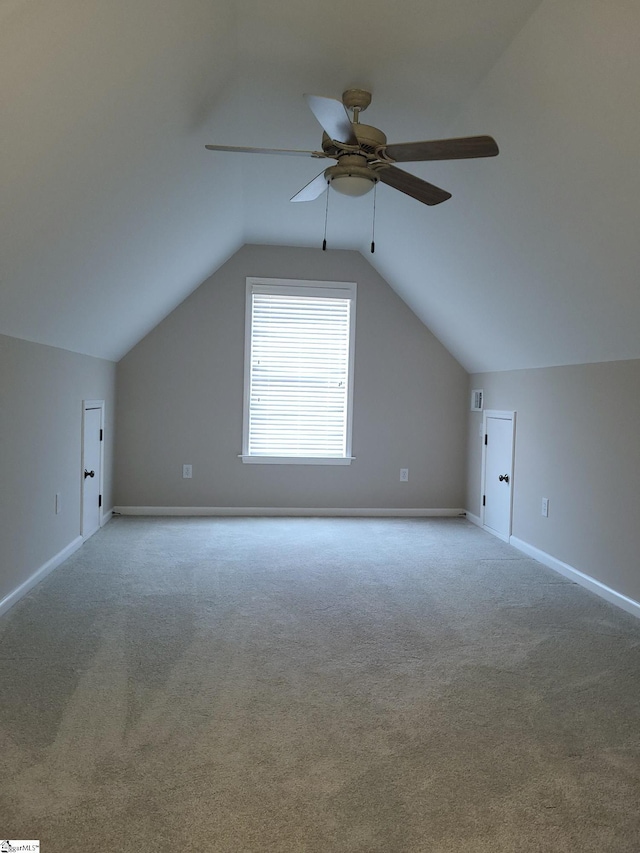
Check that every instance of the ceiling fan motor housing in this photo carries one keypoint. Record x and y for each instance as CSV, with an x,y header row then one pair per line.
x,y
370,139
354,174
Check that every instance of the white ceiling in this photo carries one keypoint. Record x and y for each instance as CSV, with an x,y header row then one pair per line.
x,y
113,212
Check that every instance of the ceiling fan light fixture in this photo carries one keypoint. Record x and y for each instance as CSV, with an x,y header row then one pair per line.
x,y
351,178
353,185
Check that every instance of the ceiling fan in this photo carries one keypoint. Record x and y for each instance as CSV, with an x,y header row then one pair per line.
x,y
363,155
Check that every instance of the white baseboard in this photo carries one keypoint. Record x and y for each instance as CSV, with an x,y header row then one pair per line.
x,y
474,519
13,597
578,577
106,517
308,512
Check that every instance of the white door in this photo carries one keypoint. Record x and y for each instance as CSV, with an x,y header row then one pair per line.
x,y
499,432
91,468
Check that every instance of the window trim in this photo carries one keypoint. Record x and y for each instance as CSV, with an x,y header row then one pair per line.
x,y
298,287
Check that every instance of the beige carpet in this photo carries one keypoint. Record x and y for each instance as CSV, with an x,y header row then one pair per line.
x,y
317,685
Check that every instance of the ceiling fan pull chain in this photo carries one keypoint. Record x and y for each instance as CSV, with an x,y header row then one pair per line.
x,y
326,216
373,225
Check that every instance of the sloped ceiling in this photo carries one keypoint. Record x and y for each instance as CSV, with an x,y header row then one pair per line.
x,y
112,210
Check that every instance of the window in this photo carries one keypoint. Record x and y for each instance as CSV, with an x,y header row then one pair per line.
x,y
298,391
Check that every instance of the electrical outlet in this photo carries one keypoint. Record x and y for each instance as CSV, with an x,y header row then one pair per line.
x,y
187,472
58,503
545,507
404,475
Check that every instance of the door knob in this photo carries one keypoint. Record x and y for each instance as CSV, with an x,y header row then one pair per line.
x,y
89,473
504,478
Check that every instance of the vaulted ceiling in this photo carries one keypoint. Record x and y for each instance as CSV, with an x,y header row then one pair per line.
x,y
113,211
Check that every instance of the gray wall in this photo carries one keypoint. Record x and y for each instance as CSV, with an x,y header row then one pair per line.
x,y
41,394
180,401
577,443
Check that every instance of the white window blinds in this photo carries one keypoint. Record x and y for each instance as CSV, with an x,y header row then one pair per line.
x,y
300,357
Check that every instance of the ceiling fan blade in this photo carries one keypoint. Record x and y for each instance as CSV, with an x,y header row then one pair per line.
x,y
240,150
313,189
333,117
443,149
411,185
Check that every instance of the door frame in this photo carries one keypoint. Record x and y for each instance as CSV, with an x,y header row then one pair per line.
x,y
91,404
507,416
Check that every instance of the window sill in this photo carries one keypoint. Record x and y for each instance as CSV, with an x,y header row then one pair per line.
x,y
298,460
